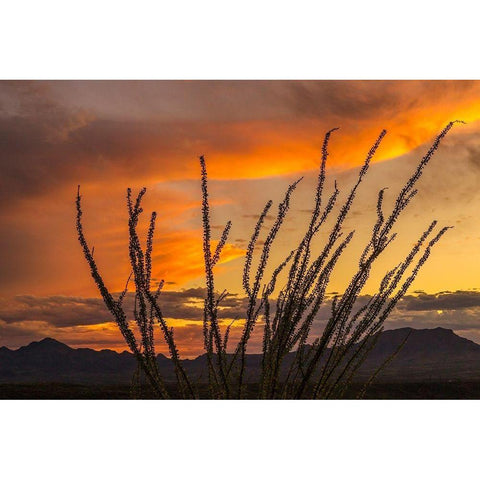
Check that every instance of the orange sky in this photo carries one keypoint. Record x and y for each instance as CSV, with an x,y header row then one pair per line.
x,y
257,137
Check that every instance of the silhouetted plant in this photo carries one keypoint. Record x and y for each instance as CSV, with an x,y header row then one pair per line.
x,y
290,367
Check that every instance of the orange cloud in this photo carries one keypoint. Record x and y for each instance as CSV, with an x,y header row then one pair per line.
x,y
178,256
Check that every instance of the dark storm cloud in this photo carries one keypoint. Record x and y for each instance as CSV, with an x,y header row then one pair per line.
x,y
248,100
441,301
47,142
33,163
27,315
367,99
45,145
64,311
209,100
326,98
31,158
57,311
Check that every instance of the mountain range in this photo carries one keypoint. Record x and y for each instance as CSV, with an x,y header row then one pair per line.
x,y
428,355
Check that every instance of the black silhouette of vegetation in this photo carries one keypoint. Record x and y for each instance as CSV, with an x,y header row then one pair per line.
x,y
322,369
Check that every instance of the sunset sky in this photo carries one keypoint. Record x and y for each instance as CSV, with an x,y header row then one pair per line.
x,y
257,137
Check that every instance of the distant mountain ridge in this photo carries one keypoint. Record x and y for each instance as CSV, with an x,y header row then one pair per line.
x,y
428,355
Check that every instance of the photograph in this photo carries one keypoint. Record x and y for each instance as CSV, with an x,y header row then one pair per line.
x,y
240,239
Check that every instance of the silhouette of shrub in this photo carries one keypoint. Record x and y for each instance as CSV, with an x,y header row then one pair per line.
x,y
290,367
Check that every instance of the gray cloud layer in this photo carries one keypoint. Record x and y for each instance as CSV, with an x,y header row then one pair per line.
x,y
28,317
62,311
